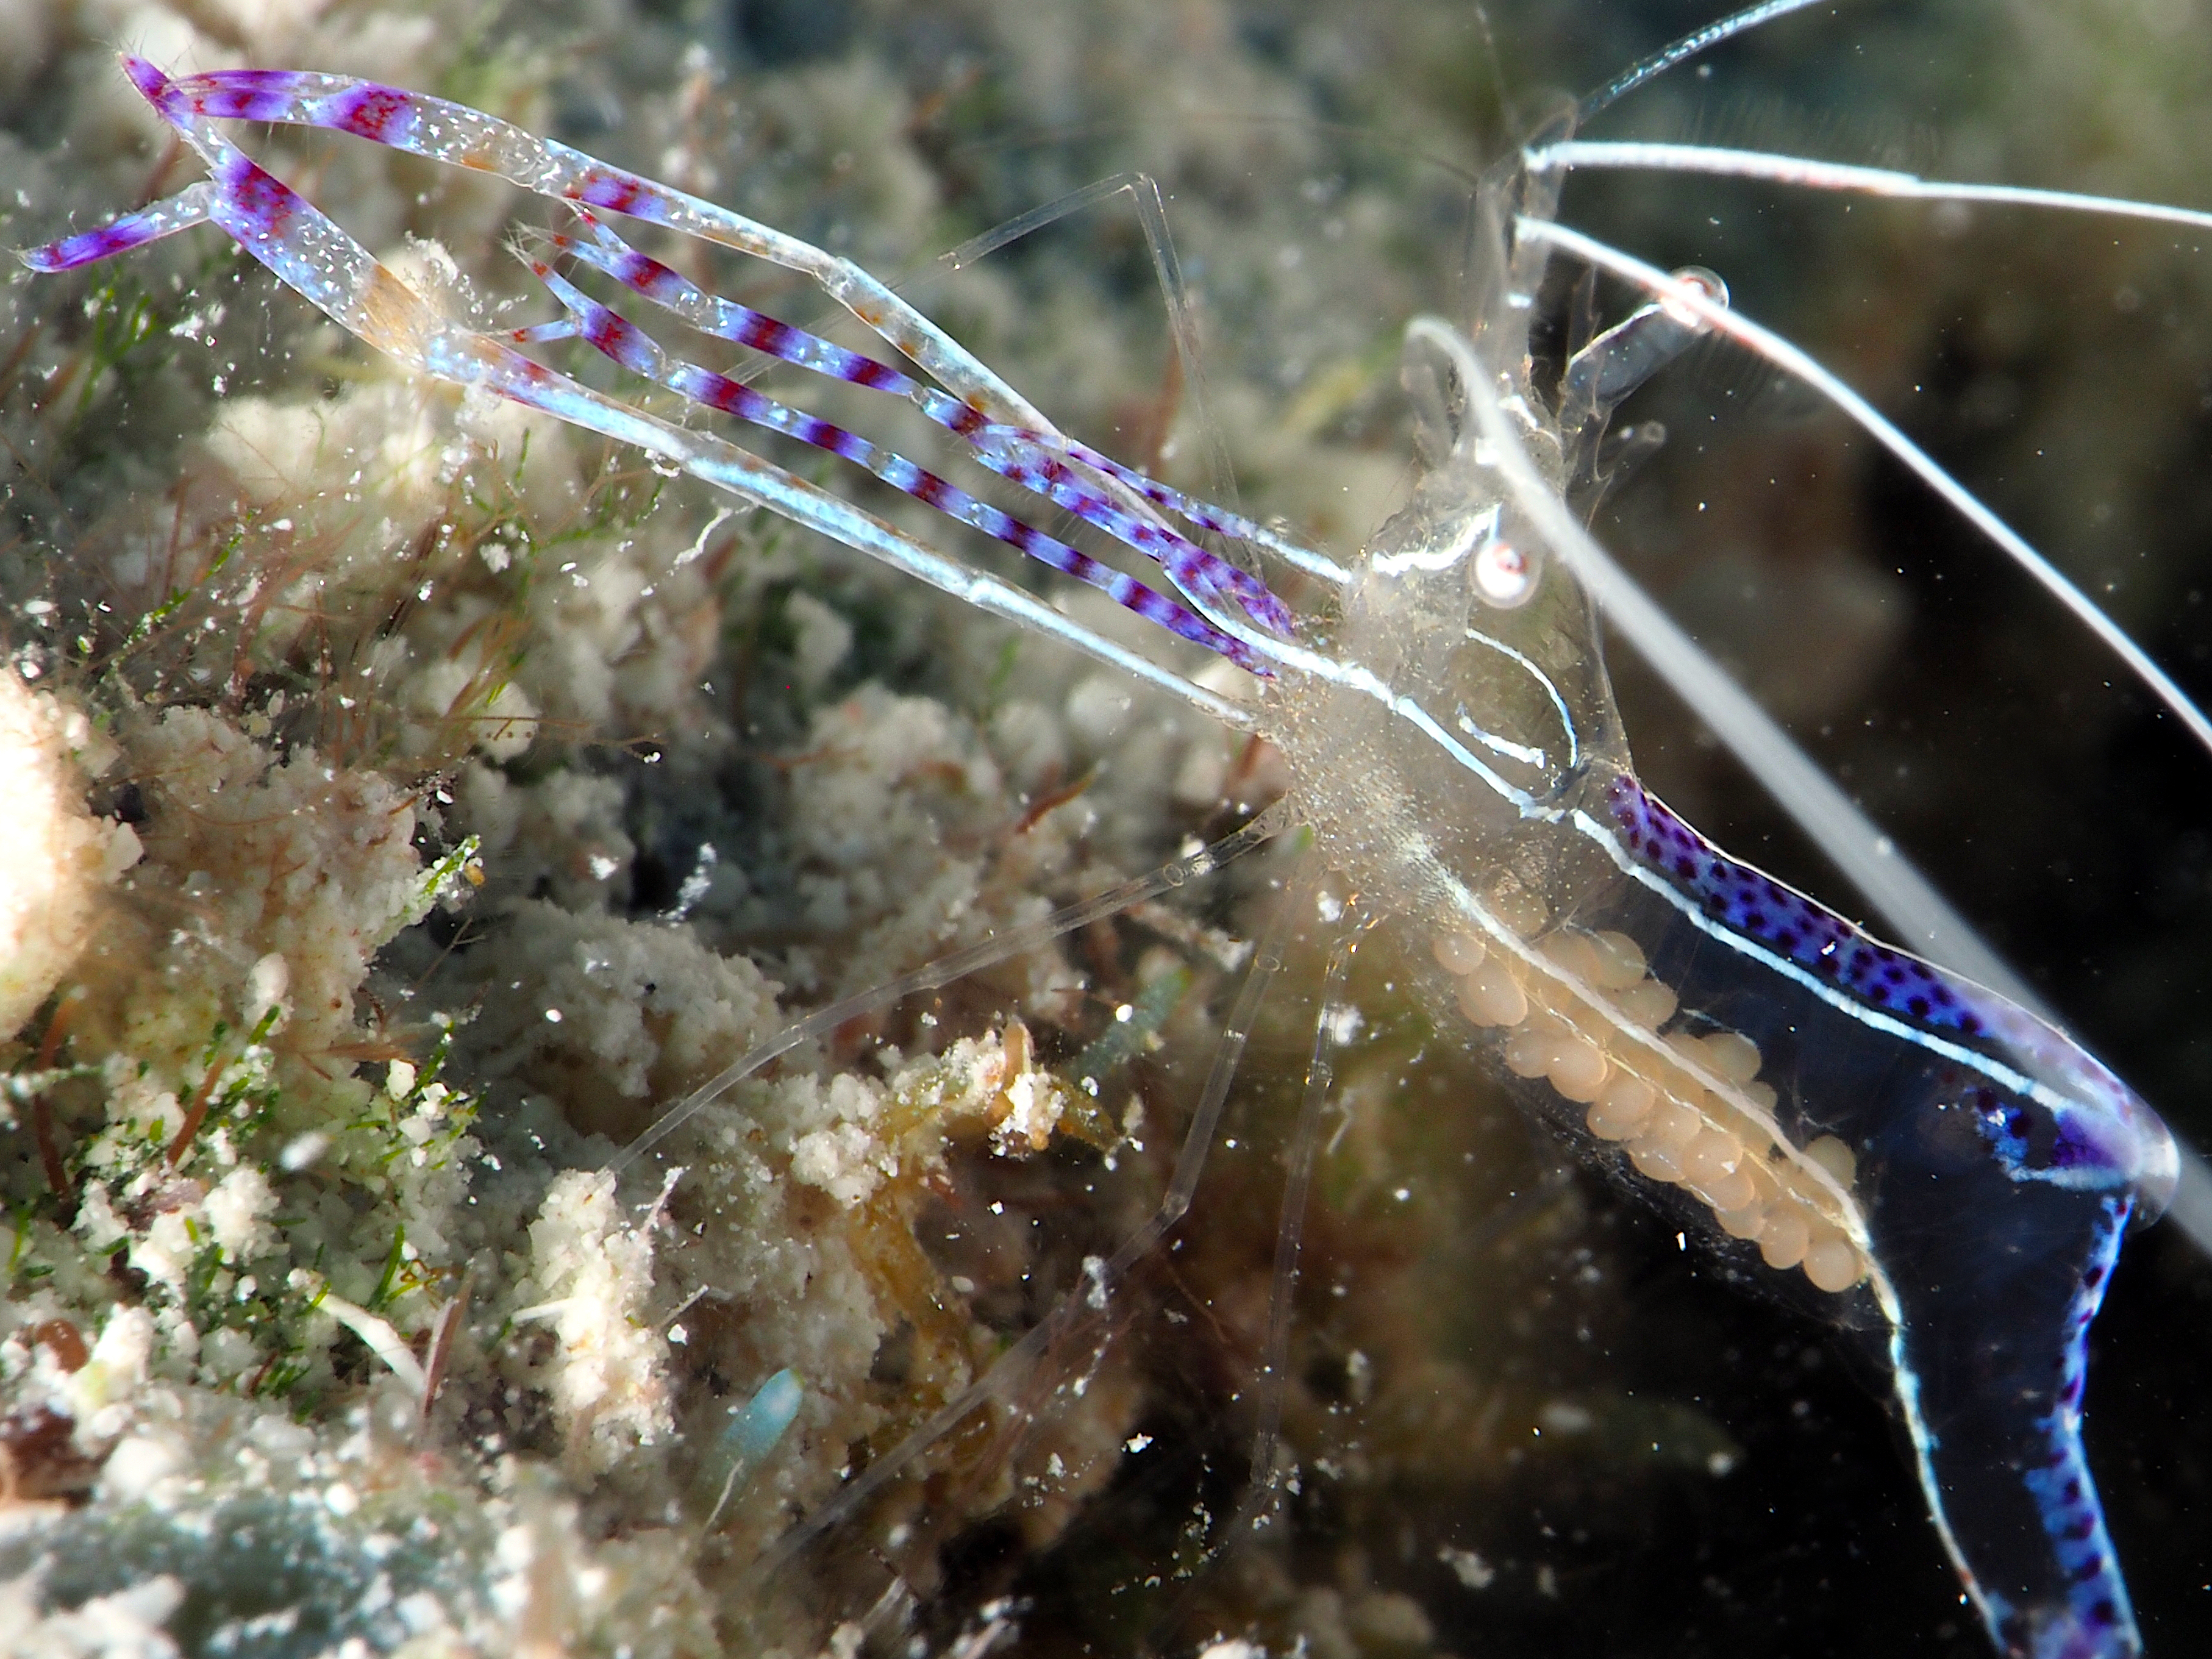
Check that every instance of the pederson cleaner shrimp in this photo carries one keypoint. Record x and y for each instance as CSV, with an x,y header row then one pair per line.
x,y
1931,1167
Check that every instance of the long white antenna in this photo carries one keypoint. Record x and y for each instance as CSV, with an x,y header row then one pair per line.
x,y
1688,46
1693,300
1652,156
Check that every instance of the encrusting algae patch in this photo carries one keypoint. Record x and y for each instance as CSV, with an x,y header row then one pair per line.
x,y
59,856
406,801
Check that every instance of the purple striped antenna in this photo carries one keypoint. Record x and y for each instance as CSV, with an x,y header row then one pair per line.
x,y
634,349
1028,459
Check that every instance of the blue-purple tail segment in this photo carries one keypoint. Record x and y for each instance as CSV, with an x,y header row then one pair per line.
x,y
1998,1165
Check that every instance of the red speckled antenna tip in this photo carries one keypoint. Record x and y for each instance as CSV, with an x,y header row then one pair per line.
x,y
153,85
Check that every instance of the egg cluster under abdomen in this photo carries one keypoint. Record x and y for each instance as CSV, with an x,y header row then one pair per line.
x,y
1593,1028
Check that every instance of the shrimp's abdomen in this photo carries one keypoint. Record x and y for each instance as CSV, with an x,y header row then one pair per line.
x,y
1924,1164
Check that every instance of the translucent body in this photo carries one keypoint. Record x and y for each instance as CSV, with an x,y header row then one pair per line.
x,y
1947,1175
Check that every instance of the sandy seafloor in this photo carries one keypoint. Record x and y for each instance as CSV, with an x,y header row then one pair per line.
x,y
484,791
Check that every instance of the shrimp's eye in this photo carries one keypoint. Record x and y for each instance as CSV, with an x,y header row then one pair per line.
x,y
1504,575
1707,284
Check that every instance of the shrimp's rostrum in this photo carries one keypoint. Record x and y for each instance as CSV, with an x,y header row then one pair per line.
x,y
1942,1176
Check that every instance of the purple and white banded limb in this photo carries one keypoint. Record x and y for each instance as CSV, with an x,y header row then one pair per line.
x,y
312,254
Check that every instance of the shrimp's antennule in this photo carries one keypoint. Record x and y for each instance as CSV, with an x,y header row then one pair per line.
x,y
1715,162
1681,51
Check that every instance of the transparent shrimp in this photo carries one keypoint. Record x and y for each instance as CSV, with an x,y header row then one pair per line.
x,y
1930,1164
